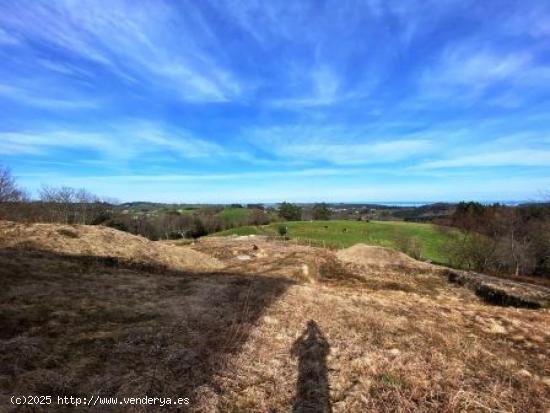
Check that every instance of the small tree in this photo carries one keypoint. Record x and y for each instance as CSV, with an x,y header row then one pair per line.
x,y
290,212
198,229
282,229
321,212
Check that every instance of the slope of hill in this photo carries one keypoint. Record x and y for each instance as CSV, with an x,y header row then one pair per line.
x,y
101,242
234,216
279,328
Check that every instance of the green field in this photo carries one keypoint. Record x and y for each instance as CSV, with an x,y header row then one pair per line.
x,y
342,234
187,211
234,215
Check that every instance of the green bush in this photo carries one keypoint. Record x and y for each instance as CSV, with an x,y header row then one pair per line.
x,y
321,212
290,212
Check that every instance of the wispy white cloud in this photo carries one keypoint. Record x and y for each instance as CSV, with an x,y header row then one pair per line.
x,y
337,145
7,39
522,157
308,188
42,143
151,41
114,142
269,22
36,97
321,86
466,72
64,68
353,153
532,20
311,172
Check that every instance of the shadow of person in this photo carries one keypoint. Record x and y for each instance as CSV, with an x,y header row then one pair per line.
x,y
312,388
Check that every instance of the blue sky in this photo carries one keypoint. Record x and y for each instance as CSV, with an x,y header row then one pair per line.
x,y
222,101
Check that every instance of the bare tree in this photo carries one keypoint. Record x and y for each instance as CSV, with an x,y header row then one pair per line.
x,y
502,240
57,202
9,191
12,205
70,206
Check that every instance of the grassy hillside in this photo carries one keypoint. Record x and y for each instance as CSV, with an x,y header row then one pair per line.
x,y
343,234
234,214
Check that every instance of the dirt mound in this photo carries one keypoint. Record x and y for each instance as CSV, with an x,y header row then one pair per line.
x,y
380,257
102,242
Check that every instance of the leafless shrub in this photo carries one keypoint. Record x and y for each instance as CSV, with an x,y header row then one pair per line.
x,y
502,240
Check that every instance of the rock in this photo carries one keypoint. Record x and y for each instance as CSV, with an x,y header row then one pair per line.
x,y
394,352
524,373
270,320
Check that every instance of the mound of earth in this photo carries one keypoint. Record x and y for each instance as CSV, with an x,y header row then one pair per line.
x,y
102,242
380,257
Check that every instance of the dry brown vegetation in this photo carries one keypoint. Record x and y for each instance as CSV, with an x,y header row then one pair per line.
x,y
380,258
104,243
256,326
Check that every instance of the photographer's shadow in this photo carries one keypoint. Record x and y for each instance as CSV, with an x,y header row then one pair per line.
x,y
312,388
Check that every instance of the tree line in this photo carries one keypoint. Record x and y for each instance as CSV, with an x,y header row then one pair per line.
x,y
78,206
501,239
495,239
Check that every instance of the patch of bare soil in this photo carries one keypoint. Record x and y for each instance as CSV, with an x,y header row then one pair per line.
x,y
290,328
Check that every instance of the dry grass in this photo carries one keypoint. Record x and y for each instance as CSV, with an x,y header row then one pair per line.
x,y
380,258
104,242
287,328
